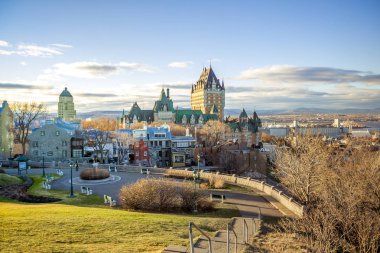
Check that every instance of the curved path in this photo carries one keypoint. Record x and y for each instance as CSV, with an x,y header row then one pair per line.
x,y
249,203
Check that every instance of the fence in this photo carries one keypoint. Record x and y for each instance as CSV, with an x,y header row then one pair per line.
x,y
271,190
66,165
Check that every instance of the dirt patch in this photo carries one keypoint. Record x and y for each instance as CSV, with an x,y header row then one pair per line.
x,y
19,193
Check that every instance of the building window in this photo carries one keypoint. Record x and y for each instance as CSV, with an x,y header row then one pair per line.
x,y
35,152
145,154
64,143
50,153
57,133
42,133
64,153
35,144
77,153
137,153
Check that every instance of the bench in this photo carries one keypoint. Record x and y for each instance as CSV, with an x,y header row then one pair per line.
x,y
145,171
112,168
86,190
217,196
59,172
46,185
49,179
109,200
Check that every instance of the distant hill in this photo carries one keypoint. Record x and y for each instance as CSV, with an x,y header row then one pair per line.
x,y
97,114
236,112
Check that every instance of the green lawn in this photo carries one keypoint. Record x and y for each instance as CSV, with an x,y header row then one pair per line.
x,y
6,179
83,224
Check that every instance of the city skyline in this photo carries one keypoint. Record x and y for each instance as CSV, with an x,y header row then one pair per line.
x,y
271,55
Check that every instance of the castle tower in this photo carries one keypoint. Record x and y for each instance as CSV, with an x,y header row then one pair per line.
x,y
66,108
208,94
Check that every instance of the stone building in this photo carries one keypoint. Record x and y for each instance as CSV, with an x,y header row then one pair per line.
x,y
245,129
163,108
66,109
208,94
6,125
54,143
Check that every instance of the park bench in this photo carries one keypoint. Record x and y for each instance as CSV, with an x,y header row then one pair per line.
x,y
86,190
112,168
109,200
49,179
59,172
213,196
145,171
46,185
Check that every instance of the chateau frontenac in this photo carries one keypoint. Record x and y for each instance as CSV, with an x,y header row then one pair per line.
x,y
207,103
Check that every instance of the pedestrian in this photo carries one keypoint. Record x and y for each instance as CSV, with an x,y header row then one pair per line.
x,y
76,166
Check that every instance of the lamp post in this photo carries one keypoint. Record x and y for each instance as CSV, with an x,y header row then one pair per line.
x,y
43,164
196,180
71,181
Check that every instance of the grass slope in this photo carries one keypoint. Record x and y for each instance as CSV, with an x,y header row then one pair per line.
x,y
9,180
67,228
84,224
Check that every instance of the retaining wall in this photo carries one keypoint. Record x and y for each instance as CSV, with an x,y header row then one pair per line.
x,y
271,190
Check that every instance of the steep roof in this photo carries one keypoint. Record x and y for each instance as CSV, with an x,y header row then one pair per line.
x,y
65,93
207,79
162,102
243,114
141,115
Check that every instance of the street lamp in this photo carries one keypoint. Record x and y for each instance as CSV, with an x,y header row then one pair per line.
x,y
71,181
196,177
43,164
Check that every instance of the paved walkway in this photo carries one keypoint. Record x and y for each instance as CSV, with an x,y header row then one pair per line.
x,y
249,204
110,188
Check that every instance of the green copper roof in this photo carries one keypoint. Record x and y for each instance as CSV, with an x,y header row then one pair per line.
x,y
65,93
164,103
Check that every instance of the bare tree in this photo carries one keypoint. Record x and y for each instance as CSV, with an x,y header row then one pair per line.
x,y
124,140
340,189
298,166
24,114
214,131
98,133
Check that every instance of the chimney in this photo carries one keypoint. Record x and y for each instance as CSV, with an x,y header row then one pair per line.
x,y
167,92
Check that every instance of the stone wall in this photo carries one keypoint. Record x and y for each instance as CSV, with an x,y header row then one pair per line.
x,y
271,190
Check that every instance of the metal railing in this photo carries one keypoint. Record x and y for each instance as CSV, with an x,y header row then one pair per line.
x,y
191,225
245,231
228,238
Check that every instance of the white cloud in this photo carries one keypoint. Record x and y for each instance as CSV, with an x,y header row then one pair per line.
x,y
61,45
90,69
180,64
33,50
4,43
305,75
23,63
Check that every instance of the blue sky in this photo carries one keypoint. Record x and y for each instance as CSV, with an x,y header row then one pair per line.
x,y
271,54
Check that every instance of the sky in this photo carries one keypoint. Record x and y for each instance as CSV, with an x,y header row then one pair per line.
x,y
282,54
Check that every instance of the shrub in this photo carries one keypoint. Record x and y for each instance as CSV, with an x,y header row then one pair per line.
x,y
94,174
162,195
204,186
216,183
2,171
219,183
